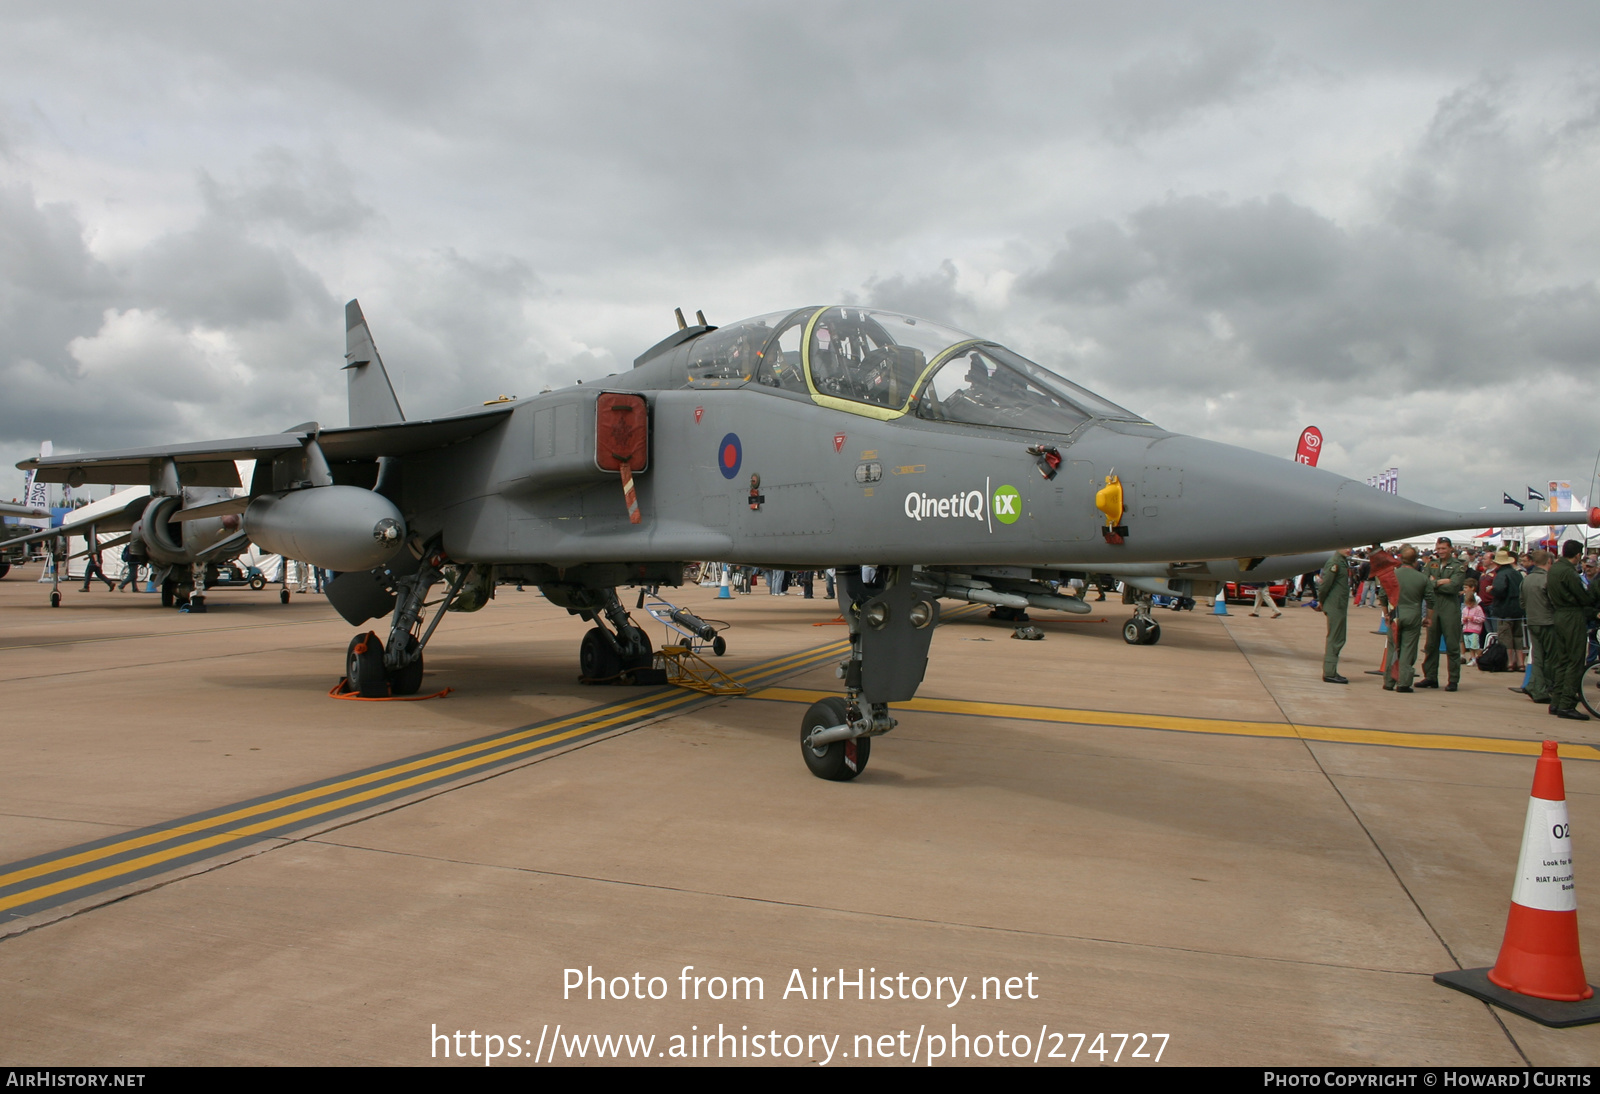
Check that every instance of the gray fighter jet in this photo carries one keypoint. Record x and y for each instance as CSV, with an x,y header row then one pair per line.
x,y
816,437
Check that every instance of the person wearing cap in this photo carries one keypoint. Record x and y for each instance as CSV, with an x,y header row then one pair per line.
x,y
1333,599
1574,605
1416,594
1510,624
1446,574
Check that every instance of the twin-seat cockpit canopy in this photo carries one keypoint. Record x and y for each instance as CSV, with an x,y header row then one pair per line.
x,y
885,365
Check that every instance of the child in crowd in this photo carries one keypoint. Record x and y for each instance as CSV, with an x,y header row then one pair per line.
x,y
1472,620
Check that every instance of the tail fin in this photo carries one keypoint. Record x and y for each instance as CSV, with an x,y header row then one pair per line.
x,y
372,399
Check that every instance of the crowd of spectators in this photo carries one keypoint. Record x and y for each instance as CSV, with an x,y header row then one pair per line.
x,y
1538,608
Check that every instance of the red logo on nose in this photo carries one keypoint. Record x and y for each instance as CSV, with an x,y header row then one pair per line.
x,y
838,441
699,411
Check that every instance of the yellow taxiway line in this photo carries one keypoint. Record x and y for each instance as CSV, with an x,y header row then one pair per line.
x,y
75,869
1176,724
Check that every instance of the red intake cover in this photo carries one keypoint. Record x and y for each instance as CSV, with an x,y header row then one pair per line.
x,y
621,431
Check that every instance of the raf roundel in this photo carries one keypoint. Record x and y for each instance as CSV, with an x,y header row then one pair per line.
x,y
730,454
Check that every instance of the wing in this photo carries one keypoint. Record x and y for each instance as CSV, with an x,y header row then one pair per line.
x,y
115,520
211,463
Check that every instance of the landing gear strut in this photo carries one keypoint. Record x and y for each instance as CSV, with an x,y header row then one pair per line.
x,y
377,670
402,659
891,628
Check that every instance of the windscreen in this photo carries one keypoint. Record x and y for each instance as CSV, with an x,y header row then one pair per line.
x,y
988,385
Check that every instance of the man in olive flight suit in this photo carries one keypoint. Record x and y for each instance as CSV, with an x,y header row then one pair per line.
x,y
1415,591
1446,574
1541,624
1333,597
1574,606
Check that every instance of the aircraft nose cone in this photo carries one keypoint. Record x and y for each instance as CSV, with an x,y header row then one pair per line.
x,y
1238,502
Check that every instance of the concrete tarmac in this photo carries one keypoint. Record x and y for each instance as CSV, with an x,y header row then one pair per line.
x,y
1192,849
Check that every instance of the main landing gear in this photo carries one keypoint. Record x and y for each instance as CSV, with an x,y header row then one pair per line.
x,y
891,628
1141,630
621,653
376,670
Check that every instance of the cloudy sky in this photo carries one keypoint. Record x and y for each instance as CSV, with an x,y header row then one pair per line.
x,y
1237,219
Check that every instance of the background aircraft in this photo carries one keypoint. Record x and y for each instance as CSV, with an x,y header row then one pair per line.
x,y
178,553
802,439
1018,588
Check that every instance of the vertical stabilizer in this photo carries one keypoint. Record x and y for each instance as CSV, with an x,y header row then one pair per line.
x,y
372,399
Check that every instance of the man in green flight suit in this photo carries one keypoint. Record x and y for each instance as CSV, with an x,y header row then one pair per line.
x,y
1446,574
1415,591
1574,606
1333,597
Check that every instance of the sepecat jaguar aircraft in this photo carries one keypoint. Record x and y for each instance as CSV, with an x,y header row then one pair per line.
x,y
818,437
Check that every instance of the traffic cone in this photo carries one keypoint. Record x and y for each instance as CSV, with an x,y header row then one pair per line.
x,y
1539,973
1220,607
1540,953
1383,623
722,590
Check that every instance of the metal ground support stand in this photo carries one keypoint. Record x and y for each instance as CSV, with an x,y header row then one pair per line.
x,y
402,657
697,633
1141,630
687,669
197,598
623,656
891,629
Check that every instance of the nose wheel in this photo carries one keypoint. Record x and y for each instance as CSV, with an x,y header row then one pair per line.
x,y
1141,632
840,761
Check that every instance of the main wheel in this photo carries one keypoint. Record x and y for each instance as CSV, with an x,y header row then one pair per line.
x,y
596,659
55,600
5,568
408,680
1589,688
168,594
363,667
1153,635
283,596
840,761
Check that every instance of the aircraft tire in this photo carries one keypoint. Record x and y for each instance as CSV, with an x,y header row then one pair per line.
x,y
363,670
1132,633
5,568
408,680
596,659
283,596
55,600
167,594
837,762
1153,635
1589,688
